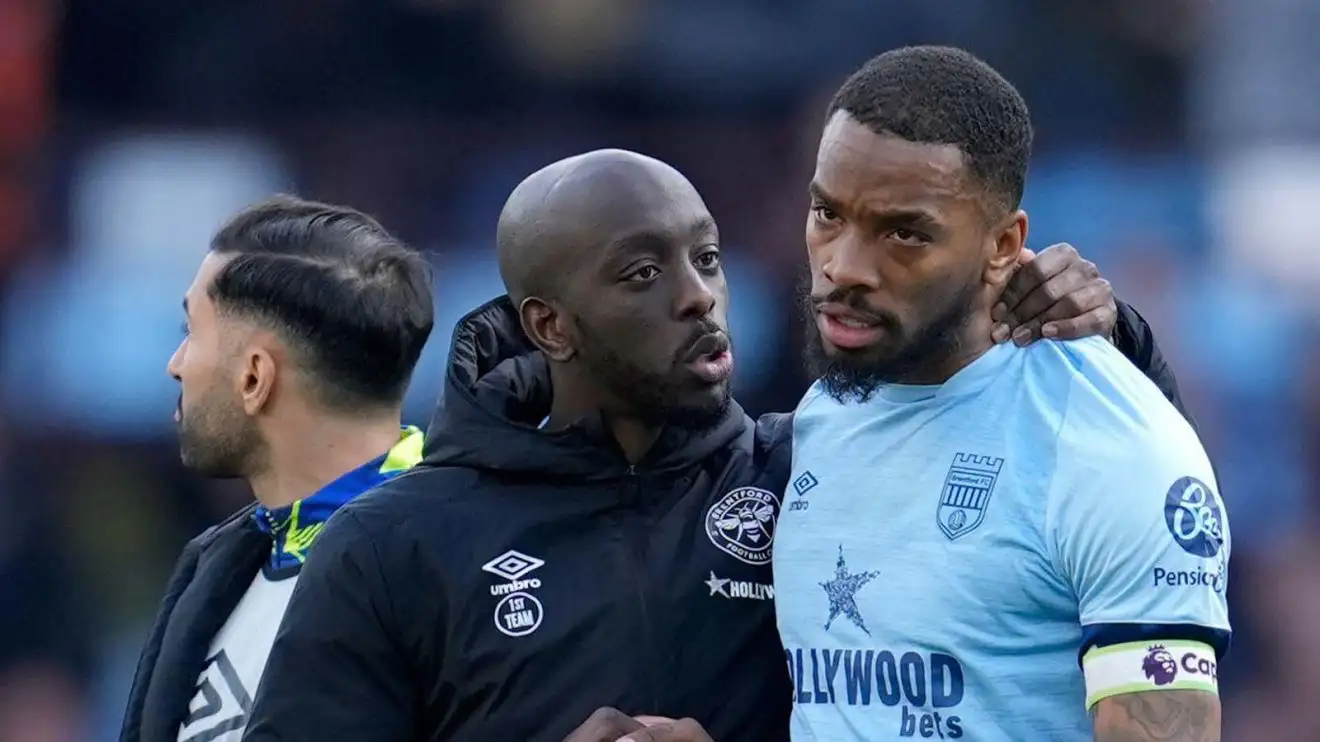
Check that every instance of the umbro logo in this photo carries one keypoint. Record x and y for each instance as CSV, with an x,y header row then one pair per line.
x,y
221,704
518,612
802,484
512,565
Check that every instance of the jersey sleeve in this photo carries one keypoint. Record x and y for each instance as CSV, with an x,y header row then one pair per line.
x,y
335,671
1142,537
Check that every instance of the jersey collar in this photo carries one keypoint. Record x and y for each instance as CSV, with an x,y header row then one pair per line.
x,y
294,527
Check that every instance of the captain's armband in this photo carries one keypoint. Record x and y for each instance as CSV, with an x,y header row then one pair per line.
x,y
1138,667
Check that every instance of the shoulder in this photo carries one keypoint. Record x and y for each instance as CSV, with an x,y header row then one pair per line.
x,y
817,408
239,519
424,491
774,430
429,513
1109,409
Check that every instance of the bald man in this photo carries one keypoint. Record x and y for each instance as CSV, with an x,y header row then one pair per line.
x,y
592,524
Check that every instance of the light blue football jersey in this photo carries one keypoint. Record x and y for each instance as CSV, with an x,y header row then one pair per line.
x,y
945,552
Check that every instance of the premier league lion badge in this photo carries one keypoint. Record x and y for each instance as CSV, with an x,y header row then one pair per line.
x,y
1159,666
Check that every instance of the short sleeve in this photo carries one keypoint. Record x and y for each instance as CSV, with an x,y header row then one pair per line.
x,y
1139,529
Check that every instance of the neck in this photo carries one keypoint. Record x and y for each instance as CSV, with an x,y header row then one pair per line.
x,y
574,399
317,451
958,348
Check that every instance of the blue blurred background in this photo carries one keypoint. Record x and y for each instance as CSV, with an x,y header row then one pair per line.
x,y
1179,148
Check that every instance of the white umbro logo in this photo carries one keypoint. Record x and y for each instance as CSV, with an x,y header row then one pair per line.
x,y
512,565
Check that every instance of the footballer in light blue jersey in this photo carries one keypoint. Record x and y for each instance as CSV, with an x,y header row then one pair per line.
x,y
947,551
980,541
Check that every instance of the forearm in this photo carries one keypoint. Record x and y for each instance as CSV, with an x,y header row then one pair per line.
x,y
1158,716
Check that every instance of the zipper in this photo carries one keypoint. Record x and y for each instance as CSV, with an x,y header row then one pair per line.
x,y
635,535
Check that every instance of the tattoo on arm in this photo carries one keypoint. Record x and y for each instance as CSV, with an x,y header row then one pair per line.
x,y
1158,716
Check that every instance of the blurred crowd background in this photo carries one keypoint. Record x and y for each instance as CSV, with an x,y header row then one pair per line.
x,y
1178,147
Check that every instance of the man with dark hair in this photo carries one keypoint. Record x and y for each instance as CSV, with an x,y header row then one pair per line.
x,y
970,521
303,327
593,521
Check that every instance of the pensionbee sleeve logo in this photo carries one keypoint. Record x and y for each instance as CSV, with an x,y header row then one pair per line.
x,y
1195,517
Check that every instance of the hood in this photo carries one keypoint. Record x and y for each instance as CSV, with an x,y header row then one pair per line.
x,y
497,391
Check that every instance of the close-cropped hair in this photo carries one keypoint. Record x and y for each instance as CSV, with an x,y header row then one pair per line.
x,y
352,301
943,95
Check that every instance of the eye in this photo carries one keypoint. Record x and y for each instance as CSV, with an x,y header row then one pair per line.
x,y
644,273
183,329
823,213
909,237
708,260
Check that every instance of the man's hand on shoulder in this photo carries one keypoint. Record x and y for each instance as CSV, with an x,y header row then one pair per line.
x,y
1057,294
1166,716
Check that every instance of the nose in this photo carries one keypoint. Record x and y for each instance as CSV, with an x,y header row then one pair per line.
x,y
176,360
851,263
695,295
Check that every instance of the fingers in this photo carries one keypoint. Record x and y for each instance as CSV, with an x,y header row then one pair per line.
x,y
1036,271
604,725
1060,291
1098,321
1087,311
683,730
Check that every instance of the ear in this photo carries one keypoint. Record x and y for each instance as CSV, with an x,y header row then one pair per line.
x,y
549,327
1009,239
257,380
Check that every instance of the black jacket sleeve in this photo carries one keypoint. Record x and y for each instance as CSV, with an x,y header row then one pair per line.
x,y
1135,339
336,670
184,568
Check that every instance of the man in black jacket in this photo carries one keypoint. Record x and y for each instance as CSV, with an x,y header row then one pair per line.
x,y
303,327
593,521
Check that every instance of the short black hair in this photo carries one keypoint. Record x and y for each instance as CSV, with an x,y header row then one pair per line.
x,y
943,95
353,301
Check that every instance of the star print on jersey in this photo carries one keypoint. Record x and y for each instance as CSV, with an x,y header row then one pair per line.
x,y
221,704
716,585
842,593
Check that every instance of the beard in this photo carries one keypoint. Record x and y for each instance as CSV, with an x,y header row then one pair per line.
x,y
854,376
655,399
217,440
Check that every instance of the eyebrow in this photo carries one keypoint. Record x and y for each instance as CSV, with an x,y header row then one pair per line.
x,y
700,226
889,218
816,191
185,305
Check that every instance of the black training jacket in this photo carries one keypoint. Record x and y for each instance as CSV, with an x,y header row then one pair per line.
x,y
210,578
520,579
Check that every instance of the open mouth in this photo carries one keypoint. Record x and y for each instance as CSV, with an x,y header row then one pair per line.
x,y
847,328
711,359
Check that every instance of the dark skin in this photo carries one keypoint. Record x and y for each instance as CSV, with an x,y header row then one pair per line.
x,y
586,214
901,240
901,232
639,284
636,253
612,725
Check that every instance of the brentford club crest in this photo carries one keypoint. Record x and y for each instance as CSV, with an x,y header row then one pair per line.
x,y
742,524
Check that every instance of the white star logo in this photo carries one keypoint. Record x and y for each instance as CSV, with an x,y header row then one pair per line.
x,y
716,585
